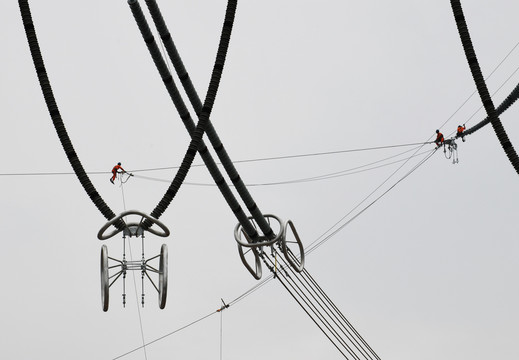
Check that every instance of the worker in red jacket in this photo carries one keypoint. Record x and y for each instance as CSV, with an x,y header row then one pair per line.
x,y
115,170
439,138
459,132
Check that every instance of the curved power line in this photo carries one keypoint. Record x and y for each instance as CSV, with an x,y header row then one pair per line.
x,y
196,136
67,144
52,106
509,101
186,118
211,132
481,85
470,96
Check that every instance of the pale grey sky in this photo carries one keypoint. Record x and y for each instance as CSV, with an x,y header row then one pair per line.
x,y
428,272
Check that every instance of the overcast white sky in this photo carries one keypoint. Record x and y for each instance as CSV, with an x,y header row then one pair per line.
x,y
428,272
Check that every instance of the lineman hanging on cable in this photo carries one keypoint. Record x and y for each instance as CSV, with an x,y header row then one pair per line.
x,y
118,169
459,132
439,139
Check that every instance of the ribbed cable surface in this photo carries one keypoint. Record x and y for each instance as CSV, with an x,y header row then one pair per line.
x,y
187,120
481,85
184,77
509,101
56,116
198,133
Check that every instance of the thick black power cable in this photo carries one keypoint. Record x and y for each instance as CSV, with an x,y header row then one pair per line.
x,y
67,144
182,110
509,101
481,85
74,155
484,122
211,132
52,106
196,138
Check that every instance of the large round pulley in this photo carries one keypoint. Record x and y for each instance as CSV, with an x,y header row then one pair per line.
x,y
261,240
105,285
163,275
254,269
297,264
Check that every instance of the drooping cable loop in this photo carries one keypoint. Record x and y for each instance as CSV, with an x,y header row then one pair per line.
x,y
52,106
211,132
481,85
197,133
67,144
346,172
